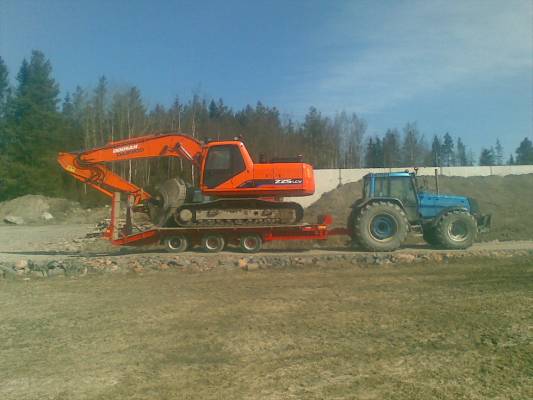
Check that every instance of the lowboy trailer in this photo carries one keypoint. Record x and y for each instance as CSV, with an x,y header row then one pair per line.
x,y
211,239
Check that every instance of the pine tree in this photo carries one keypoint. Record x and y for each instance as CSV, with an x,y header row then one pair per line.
x,y
448,152
374,153
436,149
213,110
524,153
36,131
412,148
487,157
498,153
99,111
314,130
391,148
351,130
4,87
462,158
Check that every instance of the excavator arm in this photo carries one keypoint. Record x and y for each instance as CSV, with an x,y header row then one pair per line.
x,y
89,166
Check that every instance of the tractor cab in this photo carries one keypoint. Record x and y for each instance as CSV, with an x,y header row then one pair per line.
x,y
396,186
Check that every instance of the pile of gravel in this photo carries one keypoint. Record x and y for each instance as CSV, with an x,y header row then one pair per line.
x,y
37,209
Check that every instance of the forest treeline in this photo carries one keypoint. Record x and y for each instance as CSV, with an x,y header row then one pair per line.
x,y
35,124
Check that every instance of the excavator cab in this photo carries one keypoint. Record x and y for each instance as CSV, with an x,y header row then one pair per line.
x,y
222,163
228,171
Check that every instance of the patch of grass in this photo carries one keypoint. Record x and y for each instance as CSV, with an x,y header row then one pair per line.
x,y
462,330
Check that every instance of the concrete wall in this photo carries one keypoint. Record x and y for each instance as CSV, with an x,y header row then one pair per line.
x,y
329,179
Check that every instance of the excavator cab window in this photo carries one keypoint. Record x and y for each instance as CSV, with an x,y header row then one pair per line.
x,y
223,163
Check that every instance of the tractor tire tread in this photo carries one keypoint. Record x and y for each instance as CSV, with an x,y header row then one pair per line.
x,y
441,231
362,237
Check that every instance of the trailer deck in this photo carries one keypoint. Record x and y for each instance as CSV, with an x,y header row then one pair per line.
x,y
212,238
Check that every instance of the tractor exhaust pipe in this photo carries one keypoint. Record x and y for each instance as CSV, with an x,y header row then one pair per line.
x,y
437,180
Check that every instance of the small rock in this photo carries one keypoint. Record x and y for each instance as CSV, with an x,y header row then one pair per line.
x,y
136,267
252,267
436,257
54,264
404,258
379,261
163,267
6,271
21,264
11,219
55,272
47,216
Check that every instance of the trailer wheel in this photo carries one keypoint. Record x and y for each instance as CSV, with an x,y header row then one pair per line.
x,y
176,244
251,243
213,243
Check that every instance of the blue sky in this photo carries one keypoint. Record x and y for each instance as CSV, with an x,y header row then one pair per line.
x,y
465,67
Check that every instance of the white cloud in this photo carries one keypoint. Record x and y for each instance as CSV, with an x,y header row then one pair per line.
x,y
397,52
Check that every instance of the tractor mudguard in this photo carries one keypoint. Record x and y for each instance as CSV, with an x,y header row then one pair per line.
x,y
360,203
438,217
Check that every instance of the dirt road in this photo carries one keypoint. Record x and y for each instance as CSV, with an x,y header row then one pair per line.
x,y
43,243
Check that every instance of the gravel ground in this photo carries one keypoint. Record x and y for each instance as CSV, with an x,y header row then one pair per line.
x,y
69,242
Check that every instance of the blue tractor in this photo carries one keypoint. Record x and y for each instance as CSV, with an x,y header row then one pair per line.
x,y
393,204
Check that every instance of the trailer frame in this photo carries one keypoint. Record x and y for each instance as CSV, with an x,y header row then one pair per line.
x,y
125,235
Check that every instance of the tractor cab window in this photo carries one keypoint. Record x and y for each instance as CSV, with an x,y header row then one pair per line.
x,y
402,188
223,163
396,187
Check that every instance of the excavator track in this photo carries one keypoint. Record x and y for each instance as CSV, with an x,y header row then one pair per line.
x,y
237,212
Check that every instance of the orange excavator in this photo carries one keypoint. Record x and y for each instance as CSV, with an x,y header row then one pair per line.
x,y
239,191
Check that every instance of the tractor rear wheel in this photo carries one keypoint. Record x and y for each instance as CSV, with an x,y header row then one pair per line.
x,y
380,226
456,230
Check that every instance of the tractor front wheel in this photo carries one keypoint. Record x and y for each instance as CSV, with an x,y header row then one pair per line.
x,y
456,230
380,226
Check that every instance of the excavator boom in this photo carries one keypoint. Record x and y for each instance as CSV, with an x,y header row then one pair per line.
x,y
89,167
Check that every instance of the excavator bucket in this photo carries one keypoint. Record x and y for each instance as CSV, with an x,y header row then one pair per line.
x,y
169,195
